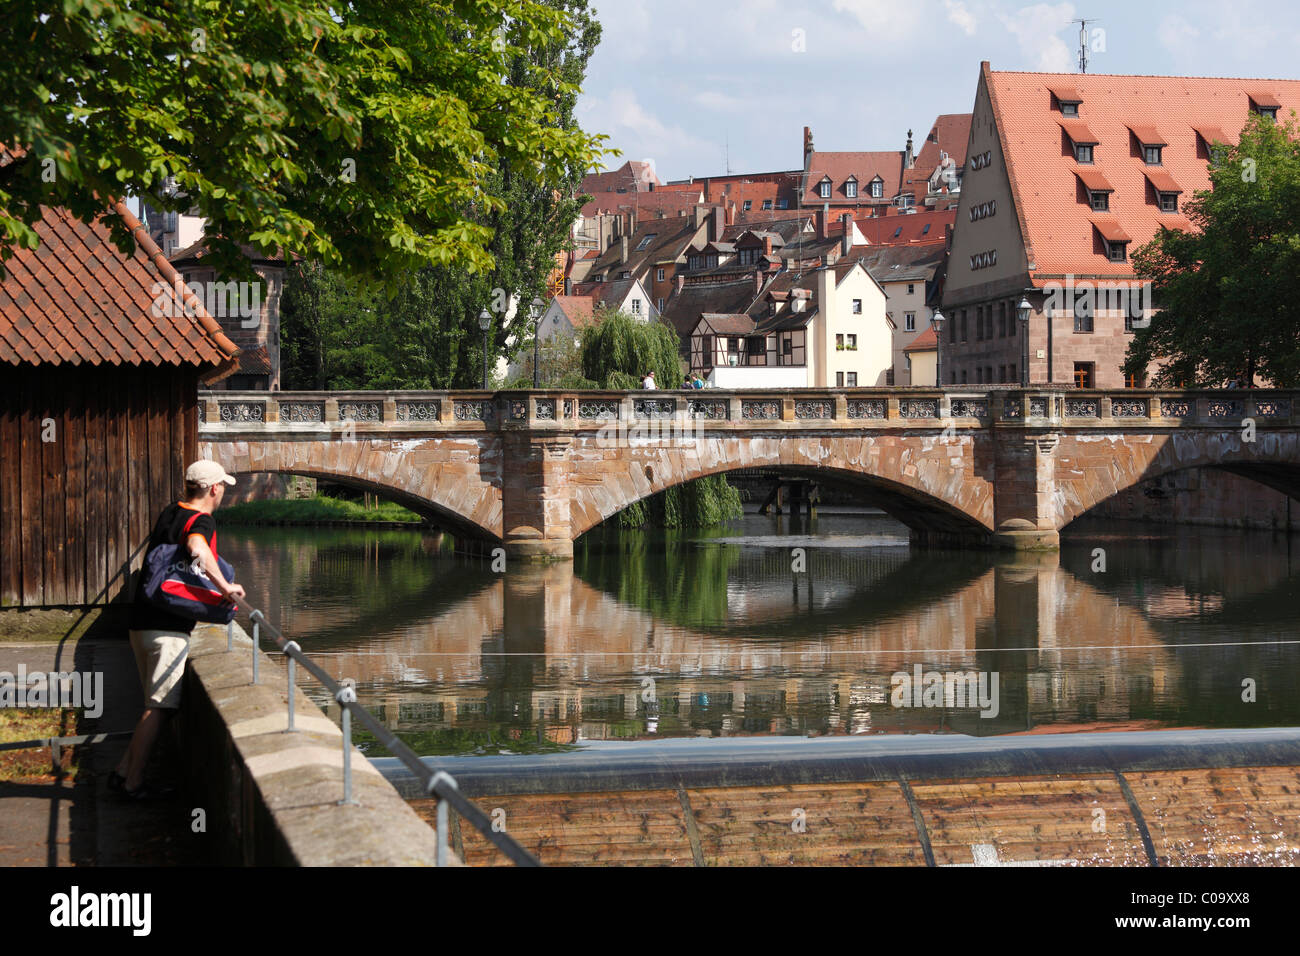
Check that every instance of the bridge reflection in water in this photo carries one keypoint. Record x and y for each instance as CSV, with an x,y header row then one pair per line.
x,y
637,640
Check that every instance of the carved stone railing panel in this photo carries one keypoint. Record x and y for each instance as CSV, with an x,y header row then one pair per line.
x,y
1082,408
968,408
919,408
517,410
760,410
361,411
1128,407
1011,408
422,411
546,409
473,410
1273,408
711,409
1225,408
818,409
568,408
1177,408
242,411
866,408
1038,408
655,407
295,413
597,410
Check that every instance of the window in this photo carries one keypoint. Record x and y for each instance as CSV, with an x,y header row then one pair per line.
x,y
1011,375
877,188
1151,155
767,204
979,323
839,343
660,275
909,321
952,331
839,379
625,275
853,379
1269,111
1116,251
963,377
636,306
857,306
645,243
851,342
748,256
1083,377
1083,152
1083,312
783,204
1169,202
1002,320
749,204
851,189
1069,109
1100,200
824,190
979,375
1002,374
1132,381
898,232
911,288
964,336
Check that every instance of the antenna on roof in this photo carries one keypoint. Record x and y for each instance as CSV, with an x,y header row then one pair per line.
x,y
727,154
1083,43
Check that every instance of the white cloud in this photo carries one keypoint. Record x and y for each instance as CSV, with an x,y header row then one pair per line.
x,y
960,17
1037,31
718,101
888,20
639,133
1177,35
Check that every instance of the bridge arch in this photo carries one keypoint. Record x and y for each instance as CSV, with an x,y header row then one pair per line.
x,y
936,487
1091,469
458,495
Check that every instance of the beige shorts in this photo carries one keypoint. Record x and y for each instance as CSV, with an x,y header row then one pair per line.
x,y
160,659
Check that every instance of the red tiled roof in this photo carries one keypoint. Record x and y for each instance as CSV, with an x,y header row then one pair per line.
x,y
880,230
1263,98
255,361
631,176
1162,181
77,299
1110,229
1147,135
950,134
1056,225
580,309
646,205
1094,179
863,166
1078,131
927,341
1064,92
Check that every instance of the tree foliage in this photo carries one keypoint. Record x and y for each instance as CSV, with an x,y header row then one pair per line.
x,y
1228,292
375,136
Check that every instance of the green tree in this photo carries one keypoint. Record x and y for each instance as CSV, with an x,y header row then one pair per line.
x,y
616,352
376,136
1228,291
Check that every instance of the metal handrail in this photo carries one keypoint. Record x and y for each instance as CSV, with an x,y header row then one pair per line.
x,y
436,783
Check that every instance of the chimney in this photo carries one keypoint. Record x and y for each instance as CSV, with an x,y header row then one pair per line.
x,y
700,213
767,245
807,147
731,214
717,222
824,223
622,252
680,281
846,240
908,159
758,282
631,223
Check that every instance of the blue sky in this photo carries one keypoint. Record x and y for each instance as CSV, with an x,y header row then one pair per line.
x,y
679,81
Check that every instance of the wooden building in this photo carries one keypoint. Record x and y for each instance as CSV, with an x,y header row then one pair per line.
x,y
102,356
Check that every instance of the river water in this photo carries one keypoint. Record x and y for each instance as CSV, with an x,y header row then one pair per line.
x,y
776,627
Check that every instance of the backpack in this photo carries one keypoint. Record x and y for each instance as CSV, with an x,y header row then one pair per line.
x,y
175,583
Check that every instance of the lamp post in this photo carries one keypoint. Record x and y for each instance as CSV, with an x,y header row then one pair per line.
x,y
1022,313
537,340
485,323
936,321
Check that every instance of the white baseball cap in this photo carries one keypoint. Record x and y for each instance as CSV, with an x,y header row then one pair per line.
x,y
207,473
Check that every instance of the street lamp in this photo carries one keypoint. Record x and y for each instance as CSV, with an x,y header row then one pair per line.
x,y
1022,313
936,321
537,340
485,323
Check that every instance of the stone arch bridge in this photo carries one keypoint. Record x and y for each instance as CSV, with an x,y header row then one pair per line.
x,y
534,470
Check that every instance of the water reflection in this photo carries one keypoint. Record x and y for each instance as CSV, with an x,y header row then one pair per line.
x,y
738,633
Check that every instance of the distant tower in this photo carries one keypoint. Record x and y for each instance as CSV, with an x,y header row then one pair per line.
x,y
1083,43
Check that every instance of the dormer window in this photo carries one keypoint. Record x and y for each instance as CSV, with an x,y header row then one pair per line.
x,y
1169,202
645,243
877,188
1067,99
1100,201
1265,104
851,188
1083,152
749,204
1069,109
1269,111
1151,155
767,204
824,189
1116,251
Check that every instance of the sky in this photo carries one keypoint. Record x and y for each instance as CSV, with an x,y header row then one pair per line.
x,y
691,85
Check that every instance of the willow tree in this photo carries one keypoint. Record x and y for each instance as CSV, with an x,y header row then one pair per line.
x,y
617,352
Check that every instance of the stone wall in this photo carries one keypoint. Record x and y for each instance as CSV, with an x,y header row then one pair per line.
x,y
1203,497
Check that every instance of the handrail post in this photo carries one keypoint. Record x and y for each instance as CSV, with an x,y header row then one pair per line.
x,y
230,635
347,694
443,824
256,645
289,649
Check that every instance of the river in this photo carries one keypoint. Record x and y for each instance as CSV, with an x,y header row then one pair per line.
x,y
773,627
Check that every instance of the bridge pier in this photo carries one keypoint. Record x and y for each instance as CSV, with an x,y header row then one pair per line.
x,y
1024,497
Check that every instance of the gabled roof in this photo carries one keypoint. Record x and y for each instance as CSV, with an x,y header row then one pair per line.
x,y
670,239
683,309
919,227
632,176
865,166
927,341
77,299
580,310
656,205
950,134
915,263
1058,228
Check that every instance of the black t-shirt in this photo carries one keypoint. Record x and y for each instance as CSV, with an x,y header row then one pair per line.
x,y
145,615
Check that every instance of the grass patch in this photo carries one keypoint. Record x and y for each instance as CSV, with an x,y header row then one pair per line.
x,y
23,724
313,510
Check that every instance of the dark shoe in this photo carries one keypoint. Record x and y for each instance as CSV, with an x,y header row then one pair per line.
x,y
116,782
146,793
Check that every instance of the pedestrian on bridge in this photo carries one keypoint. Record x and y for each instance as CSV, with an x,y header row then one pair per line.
x,y
161,639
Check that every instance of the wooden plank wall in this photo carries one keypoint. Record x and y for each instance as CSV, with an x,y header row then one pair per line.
x,y
75,512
